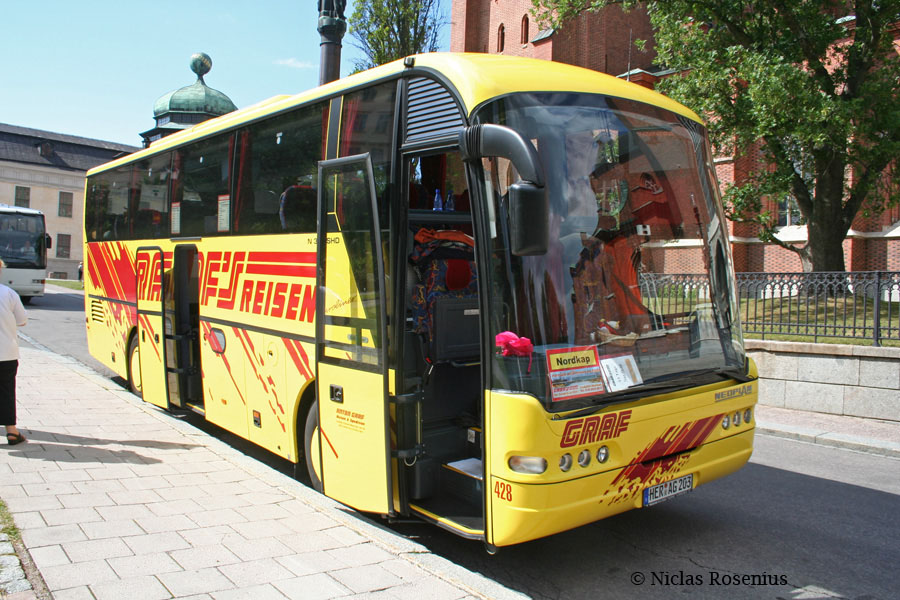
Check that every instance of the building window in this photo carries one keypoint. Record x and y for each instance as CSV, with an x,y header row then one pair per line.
x,y
501,38
789,213
65,204
23,197
63,244
524,39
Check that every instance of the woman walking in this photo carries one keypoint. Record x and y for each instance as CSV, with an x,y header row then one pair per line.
x,y
12,315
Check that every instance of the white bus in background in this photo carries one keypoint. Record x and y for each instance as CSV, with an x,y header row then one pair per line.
x,y
23,247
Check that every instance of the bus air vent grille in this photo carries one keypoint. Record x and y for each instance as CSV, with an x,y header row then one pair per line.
x,y
97,313
432,112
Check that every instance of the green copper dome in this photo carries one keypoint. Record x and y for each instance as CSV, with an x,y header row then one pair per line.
x,y
197,98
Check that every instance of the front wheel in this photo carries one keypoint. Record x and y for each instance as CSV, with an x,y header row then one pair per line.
x,y
311,444
134,367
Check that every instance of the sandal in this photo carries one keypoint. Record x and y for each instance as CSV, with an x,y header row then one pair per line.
x,y
15,438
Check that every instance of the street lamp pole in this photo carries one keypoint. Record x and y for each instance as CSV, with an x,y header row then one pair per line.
x,y
332,26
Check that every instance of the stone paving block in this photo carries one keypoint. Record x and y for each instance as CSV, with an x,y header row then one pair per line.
x,y
256,592
255,572
49,556
430,588
12,491
161,524
360,554
72,475
102,486
77,574
258,529
207,536
182,492
96,549
65,516
135,497
255,549
266,511
222,516
50,536
29,520
143,564
308,563
259,498
135,588
183,583
405,570
106,529
126,512
217,502
168,508
145,483
345,535
366,579
314,541
12,478
233,488
49,489
74,593
155,542
86,500
314,521
203,557
311,587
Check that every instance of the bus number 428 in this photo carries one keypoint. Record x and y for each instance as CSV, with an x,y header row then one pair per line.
x,y
503,491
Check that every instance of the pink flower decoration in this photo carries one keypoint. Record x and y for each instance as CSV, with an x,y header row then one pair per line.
x,y
513,345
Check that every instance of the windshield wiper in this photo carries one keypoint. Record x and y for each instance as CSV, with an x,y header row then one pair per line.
x,y
668,383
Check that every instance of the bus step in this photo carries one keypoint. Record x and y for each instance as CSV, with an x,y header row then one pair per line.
x,y
464,479
197,408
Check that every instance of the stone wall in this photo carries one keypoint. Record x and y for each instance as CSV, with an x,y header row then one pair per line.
x,y
859,381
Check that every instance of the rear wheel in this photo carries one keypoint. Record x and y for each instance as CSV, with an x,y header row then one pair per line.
x,y
134,367
311,444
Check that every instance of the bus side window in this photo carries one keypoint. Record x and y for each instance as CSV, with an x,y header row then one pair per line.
x,y
277,162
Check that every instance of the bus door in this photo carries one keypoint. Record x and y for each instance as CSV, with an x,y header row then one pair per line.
x,y
351,365
182,315
150,328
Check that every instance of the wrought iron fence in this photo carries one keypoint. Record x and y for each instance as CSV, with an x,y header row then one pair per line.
x,y
850,305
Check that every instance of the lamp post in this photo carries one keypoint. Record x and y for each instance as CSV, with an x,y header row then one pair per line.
x,y
332,26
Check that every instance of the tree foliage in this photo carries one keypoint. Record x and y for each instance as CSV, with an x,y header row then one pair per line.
x,y
813,84
386,30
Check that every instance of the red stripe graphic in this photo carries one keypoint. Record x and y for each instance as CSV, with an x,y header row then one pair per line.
x,y
283,257
650,464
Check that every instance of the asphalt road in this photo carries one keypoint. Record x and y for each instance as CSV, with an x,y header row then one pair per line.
x,y
800,522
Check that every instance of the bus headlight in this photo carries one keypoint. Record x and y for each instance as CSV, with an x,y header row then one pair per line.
x,y
584,458
528,464
565,462
747,415
737,418
602,454
726,421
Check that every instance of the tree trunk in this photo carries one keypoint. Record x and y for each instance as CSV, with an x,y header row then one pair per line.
x,y
827,226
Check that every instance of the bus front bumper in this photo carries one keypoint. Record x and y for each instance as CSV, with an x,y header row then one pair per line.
x,y
531,511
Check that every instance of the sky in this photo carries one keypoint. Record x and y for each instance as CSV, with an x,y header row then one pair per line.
x,y
94,68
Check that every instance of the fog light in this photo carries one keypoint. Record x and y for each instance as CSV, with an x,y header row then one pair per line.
x,y
726,422
737,418
602,454
747,415
528,464
584,458
565,462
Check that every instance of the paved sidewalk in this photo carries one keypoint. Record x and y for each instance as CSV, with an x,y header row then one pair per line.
x,y
116,499
852,433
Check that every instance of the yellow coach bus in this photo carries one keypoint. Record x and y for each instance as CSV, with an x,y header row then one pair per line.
x,y
492,293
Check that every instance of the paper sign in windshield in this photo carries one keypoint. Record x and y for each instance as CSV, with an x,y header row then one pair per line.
x,y
620,372
574,373
579,371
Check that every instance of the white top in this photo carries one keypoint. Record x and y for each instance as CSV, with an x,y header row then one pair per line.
x,y
12,314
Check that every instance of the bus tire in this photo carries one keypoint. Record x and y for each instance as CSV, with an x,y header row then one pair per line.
x,y
311,445
133,362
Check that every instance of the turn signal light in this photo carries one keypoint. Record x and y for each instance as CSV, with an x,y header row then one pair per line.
x,y
534,465
565,462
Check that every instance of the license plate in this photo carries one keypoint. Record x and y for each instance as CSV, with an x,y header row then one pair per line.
x,y
669,489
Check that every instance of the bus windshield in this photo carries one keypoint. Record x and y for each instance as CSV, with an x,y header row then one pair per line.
x,y
636,291
22,240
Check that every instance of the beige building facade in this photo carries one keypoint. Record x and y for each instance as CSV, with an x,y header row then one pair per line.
x,y
45,171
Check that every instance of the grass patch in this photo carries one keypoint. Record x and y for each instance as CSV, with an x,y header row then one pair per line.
x,y
7,525
67,283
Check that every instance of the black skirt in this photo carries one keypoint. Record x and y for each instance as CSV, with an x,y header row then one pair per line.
x,y
8,370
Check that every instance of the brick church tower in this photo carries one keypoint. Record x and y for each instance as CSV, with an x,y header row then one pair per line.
x,y
598,41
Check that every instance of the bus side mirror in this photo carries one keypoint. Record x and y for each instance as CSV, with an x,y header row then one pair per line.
x,y
529,215
48,241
